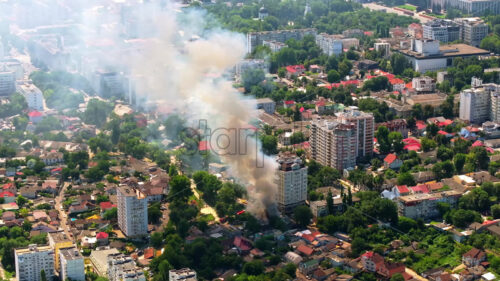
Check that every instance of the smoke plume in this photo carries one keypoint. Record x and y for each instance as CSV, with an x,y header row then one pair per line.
x,y
182,67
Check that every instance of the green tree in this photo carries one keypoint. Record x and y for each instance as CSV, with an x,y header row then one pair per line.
x,y
180,188
396,141
495,211
459,161
382,136
397,277
252,77
333,76
269,144
97,112
302,215
406,179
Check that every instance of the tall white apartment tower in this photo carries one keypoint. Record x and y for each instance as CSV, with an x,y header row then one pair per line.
x,y
32,260
132,211
291,181
475,105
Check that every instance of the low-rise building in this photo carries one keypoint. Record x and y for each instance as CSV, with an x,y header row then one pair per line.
x,y
99,259
123,268
424,205
474,257
423,84
267,104
184,274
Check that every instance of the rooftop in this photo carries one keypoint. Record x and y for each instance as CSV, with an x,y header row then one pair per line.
x,y
71,254
450,50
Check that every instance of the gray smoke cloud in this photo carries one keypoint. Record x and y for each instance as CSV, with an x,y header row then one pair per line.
x,y
181,66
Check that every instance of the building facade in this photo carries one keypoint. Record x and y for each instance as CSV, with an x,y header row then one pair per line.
x,y
330,44
7,82
72,265
267,104
32,260
58,240
472,30
423,84
33,95
334,144
474,105
425,205
291,181
442,30
475,7
364,125
132,211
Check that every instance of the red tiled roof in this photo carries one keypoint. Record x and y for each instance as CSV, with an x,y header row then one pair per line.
x,y
421,188
59,169
308,237
102,235
35,114
395,81
420,125
289,102
305,250
295,68
203,145
390,158
477,143
402,189
6,194
106,205
149,253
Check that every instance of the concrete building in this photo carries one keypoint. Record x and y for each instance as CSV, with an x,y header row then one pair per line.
x,y
364,125
475,7
99,259
442,30
333,143
472,30
123,268
275,46
72,265
329,44
267,104
249,64
184,274
427,55
132,211
7,82
108,84
33,95
58,240
494,91
291,181
383,47
255,39
263,13
424,205
30,262
475,105
423,84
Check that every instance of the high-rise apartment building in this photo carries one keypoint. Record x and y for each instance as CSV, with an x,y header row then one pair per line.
x,y
475,7
443,30
494,91
330,44
72,265
123,268
132,211
475,105
291,181
472,30
30,262
364,125
334,143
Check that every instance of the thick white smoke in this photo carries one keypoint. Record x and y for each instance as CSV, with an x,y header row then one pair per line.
x,y
177,69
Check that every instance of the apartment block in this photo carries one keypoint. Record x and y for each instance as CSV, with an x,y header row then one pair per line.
x,y
33,95
442,30
475,7
99,259
364,125
184,274
30,262
255,39
334,143
291,181
132,211
7,82
329,44
58,240
474,105
424,205
123,268
72,265
267,104
472,30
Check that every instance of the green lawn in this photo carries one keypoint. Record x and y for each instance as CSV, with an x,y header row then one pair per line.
x,y
436,16
408,7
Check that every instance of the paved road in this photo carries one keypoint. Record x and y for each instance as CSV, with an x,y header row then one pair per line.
x,y
62,214
377,7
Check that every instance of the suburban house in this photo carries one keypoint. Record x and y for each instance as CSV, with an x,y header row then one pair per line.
x,y
474,257
391,161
